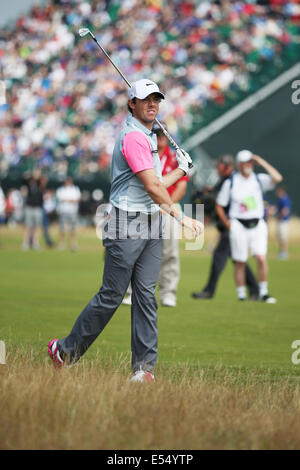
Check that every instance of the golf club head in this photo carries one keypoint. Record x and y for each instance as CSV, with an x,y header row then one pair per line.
x,y
83,32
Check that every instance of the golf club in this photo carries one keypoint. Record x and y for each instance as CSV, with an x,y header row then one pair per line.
x,y
84,32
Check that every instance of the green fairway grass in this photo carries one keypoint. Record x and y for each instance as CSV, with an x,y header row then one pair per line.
x,y
42,293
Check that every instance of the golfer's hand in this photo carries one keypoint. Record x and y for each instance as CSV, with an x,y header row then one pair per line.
x,y
195,226
184,161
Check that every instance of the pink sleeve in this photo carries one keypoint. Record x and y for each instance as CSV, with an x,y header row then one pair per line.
x,y
137,151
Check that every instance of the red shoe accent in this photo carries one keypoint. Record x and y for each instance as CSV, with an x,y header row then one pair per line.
x,y
57,362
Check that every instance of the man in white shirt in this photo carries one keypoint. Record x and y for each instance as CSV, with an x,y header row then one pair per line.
x,y
245,221
68,197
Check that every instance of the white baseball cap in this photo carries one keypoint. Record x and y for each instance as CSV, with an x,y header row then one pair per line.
x,y
143,88
244,156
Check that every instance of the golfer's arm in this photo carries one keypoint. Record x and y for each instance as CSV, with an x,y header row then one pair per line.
x,y
158,193
172,177
179,191
222,216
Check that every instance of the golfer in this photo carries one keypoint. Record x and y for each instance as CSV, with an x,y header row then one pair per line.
x,y
132,238
243,193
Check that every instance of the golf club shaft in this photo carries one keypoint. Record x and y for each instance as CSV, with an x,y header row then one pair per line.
x,y
110,60
166,133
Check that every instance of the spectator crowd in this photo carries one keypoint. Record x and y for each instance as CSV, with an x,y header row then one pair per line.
x,y
36,205
65,102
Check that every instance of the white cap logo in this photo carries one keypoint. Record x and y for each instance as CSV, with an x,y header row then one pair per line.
x,y
143,88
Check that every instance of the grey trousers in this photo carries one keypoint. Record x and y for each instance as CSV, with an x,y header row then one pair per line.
x,y
136,260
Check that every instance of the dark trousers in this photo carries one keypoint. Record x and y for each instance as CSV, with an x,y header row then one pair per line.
x,y
220,256
46,224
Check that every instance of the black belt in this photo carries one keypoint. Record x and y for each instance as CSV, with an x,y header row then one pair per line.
x,y
249,223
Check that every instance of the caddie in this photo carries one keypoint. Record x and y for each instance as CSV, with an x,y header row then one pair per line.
x,y
132,238
243,193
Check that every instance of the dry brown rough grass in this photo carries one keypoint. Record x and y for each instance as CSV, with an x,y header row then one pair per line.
x,y
94,407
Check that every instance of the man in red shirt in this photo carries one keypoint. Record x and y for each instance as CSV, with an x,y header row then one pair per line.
x,y
170,266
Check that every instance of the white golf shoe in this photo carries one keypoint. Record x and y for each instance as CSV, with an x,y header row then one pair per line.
x,y
142,376
127,300
168,300
268,299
